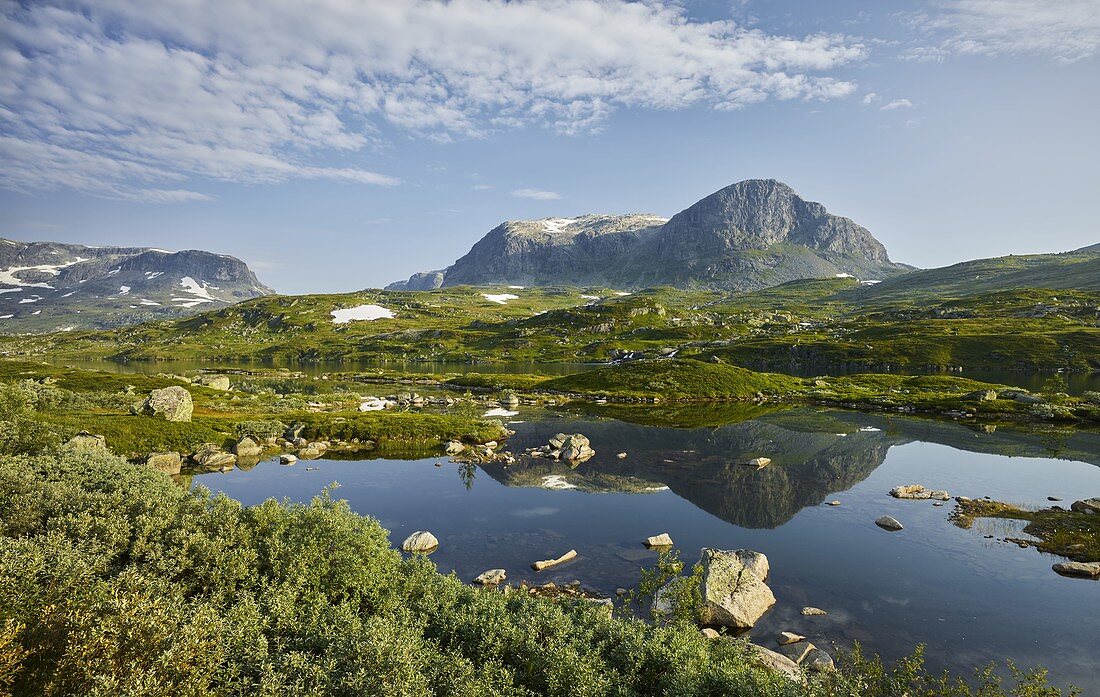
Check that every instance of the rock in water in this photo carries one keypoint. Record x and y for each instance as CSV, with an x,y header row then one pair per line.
x,y
492,577
1086,506
785,638
420,541
888,523
547,563
733,588
662,540
170,403
288,459
813,611
1078,568
818,661
211,457
454,447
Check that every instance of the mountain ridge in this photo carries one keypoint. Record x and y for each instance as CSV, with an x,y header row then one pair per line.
x,y
52,286
749,235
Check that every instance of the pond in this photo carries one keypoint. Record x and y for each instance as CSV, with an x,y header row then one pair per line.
x,y
969,597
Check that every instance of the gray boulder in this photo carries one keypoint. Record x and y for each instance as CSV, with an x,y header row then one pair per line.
x,y
777,662
214,382
420,541
889,523
211,457
169,463
733,589
169,403
1086,506
492,577
248,448
1078,568
86,441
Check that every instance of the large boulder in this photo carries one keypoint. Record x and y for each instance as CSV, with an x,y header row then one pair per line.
x,y
248,448
169,403
211,457
573,447
420,541
86,441
733,589
169,463
1086,506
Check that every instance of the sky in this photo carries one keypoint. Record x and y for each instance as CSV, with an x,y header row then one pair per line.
x,y
342,144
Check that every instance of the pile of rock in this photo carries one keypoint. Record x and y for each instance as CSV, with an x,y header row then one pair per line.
x,y
573,447
918,492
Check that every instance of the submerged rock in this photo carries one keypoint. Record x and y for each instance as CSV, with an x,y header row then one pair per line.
x,y
785,638
813,611
420,541
733,589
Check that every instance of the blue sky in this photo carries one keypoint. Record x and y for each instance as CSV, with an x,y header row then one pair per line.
x,y
349,144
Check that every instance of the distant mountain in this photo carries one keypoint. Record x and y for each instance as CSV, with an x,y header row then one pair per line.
x,y
46,286
1076,270
753,234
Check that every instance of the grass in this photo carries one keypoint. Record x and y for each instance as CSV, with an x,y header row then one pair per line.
x,y
674,380
1065,533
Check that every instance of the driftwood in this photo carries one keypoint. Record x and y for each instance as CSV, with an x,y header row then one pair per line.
x,y
547,563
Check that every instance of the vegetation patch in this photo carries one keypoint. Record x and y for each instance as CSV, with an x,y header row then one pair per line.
x,y
1066,533
675,380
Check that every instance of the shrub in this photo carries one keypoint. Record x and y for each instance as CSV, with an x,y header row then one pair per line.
x,y
259,430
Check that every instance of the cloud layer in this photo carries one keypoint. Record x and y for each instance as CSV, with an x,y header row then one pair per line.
x,y
137,100
1065,30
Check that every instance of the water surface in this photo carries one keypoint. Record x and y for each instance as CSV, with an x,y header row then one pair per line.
x,y
970,598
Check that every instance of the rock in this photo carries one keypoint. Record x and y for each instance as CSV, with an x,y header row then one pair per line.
x,y
248,448
288,459
621,456
1023,398
819,661
888,523
733,589
662,540
813,611
777,662
420,541
169,403
547,563
1053,498
1078,568
211,457
785,638
797,651
709,633
759,462
492,577
574,448
169,463
916,491
833,503
509,400
1086,506
86,441
214,382
454,447
982,395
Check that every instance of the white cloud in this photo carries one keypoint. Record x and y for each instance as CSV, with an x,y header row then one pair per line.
x,y
121,97
536,194
870,98
1064,30
897,104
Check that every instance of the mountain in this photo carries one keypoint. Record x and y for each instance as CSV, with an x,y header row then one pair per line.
x,y
46,286
753,234
1076,270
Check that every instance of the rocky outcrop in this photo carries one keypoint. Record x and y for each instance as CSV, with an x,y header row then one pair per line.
x,y
169,403
733,589
749,235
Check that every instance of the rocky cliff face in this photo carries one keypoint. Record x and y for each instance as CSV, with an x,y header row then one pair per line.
x,y
749,235
46,286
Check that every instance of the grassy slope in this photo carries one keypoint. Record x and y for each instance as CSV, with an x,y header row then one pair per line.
x,y
819,325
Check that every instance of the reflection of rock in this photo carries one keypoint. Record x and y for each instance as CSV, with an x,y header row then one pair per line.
x,y
807,465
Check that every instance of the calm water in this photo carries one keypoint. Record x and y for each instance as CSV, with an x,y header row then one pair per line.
x,y
970,599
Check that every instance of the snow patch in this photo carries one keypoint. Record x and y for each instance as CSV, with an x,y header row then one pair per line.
x,y
869,429
6,316
150,275
590,297
556,481
112,273
621,293
499,298
869,283
37,312
557,224
11,290
8,276
499,411
844,275
192,286
123,290
517,287
30,300
148,302
367,313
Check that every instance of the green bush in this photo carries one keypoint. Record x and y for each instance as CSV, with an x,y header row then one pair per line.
x,y
259,430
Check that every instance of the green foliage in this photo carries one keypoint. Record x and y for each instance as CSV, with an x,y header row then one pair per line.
x,y
259,430
674,379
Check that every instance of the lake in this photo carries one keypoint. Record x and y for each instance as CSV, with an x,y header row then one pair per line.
x,y
970,598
